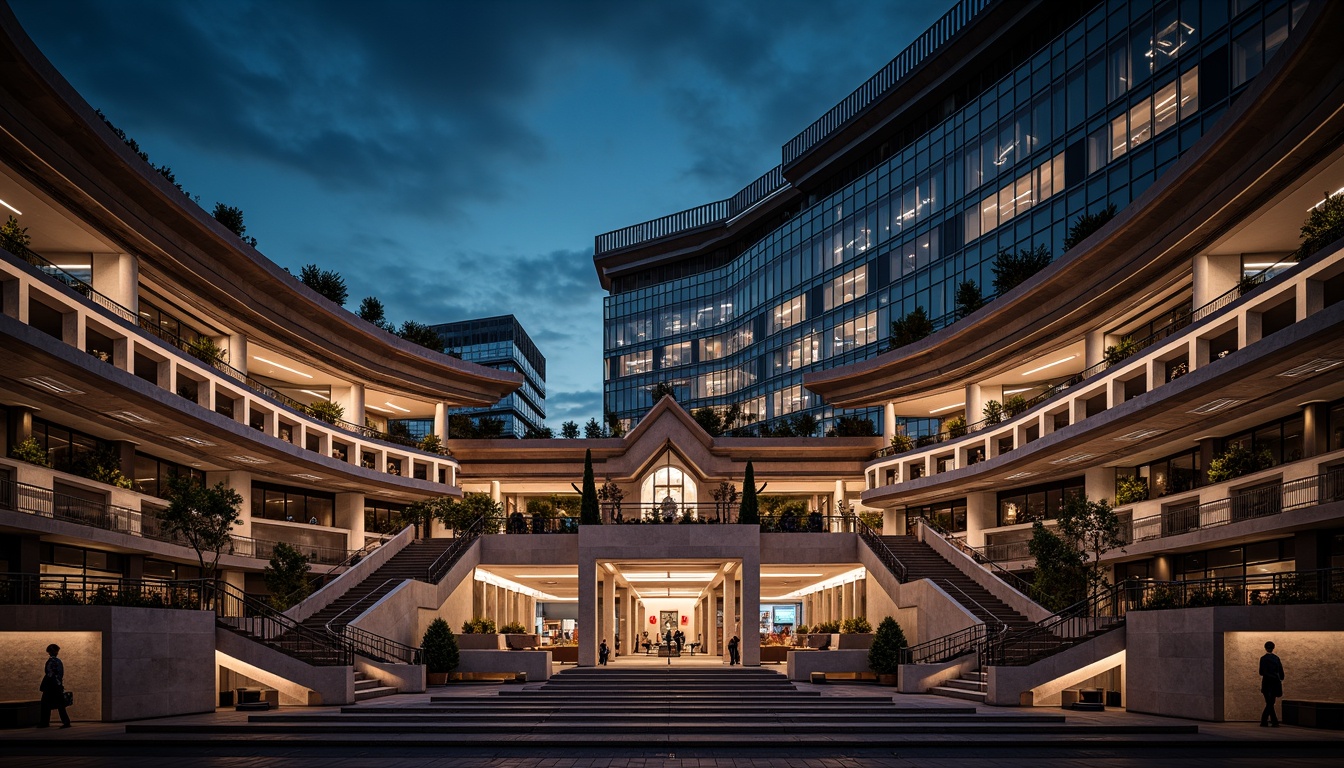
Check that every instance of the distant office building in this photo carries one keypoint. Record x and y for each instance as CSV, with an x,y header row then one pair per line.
x,y
501,343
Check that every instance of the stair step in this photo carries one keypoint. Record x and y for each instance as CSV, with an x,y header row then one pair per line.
x,y
958,693
373,693
967,685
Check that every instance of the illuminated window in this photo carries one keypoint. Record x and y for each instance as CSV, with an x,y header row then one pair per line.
x,y
854,333
846,288
804,351
676,354
636,362
788,313
790,399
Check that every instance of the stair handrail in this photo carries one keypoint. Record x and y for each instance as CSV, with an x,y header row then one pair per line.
x,y
882,551
944,583
369,644
260,621
462,540
1016,582
354,557
1105,607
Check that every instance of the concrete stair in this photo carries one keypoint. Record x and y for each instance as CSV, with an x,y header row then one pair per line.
x,y
368,688
972,686
410,563
642,707
922,562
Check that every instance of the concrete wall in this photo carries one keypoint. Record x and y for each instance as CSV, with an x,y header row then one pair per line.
x,y
537,664
980,575
297,681
1045,679
1201,663
121,663
352,576
403,613
921,607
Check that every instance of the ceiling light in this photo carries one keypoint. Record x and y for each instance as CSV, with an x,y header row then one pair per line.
x,y
1074,458
546,575
1016,391
948,407
130,417
1313,367
52,385
247,459
376,408
790,575
398,407
1019,475
315,394
1140,434
10,207
282,367
1318,205
196,441
306,476
671,576
1216,405
1049,365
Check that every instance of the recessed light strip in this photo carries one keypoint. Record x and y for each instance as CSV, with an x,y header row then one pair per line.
x,y
10,207
1049,365
281,366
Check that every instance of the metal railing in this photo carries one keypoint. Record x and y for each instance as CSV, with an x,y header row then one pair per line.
x,y
812,522
462,541
886,78
675,513
83,589
1260,501
997,553
948,647
176,340
882,551
262,623
1101,612
1325,585
367,643
44,502
518,523
1018,583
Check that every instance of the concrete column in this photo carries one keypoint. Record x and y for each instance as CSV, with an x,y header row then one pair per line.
x,y
1099,483
441,420
589,582
494,492
1315,434
18,427
117,276
350,516
610,621
888,422
236,345
242,483
729,611
839,497
891,522
1214,276
981,512
478,601
751,610
851,599
975,402
1094,348
354,409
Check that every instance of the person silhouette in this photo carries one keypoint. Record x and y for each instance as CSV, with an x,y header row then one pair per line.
x,y
1271,685
603,652
53,689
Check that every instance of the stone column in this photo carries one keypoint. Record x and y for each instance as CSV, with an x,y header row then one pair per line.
x,y
1214,276
729,611
1094,348
350,516
589,583
236,345
981,513
888,422
1315,435
354,411
441,420
751,609
839,497
610,622
117,276
477,598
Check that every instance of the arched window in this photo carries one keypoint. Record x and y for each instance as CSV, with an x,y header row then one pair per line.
x,y
668,490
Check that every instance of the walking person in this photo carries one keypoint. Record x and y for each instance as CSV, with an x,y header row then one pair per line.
x,y
733,656
53,689
1271,685
680,639
603,652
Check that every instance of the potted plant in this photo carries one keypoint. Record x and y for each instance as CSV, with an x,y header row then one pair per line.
x,y
440,650
478,634
884,657
856,634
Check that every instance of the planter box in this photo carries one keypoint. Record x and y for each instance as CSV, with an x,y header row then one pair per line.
x,y
858,641
491,642
563,654
521,642
437,678
774,654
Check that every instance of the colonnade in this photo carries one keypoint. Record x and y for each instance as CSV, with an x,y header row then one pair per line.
x,y
838,603
503,605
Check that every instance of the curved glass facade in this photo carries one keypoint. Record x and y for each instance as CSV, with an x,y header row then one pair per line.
x,y
1091,119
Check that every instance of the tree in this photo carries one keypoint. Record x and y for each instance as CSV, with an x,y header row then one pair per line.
x,y
888,648
1013,269
569,430
662,389
1087,224
1324,225
1061,574
163,170
1093,528
489,427
589,512
709,420
439,645
232,219
459,514
327,282
203,516
968,298
419,333
614,426
592,430
371,310
802,425
852,426
286,576
534,432
749,513
909,329
14,238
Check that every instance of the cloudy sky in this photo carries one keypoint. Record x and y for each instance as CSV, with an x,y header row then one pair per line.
x,y
456,159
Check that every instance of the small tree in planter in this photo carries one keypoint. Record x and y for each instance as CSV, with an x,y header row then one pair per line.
x,y
749,512
884,657
325,410
440,650
31,451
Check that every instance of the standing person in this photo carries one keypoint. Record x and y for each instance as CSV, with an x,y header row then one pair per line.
x,y
603,652
667,638
1271,685
680,639
53,689
733,656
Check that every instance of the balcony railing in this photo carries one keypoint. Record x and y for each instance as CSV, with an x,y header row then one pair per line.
x,y
672,513
1288,588
82,589
1260,501
176,340
44,502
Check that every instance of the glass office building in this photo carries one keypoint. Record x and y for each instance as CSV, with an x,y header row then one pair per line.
x,y
502,344
1059,109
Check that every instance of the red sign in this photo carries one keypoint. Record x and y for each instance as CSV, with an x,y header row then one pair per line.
x,y
653,619
685,620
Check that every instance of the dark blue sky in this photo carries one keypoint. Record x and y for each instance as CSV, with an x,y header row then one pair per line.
x,y
456,159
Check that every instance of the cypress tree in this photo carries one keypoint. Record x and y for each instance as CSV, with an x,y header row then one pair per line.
x,y
589,512
749,513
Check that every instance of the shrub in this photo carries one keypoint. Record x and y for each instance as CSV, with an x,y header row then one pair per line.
x,y
901,442
956,426
826,627
1014,405
31,451
1118,352
478,626
325,410
205,349
1237,461
1013,269
968,298
1161,598
1087,224
431,444
801,629
993,412
856,625
440,648
103,473
513,628
909,329
1324,225
286,576
884,657
1203,597
14,238
1130,489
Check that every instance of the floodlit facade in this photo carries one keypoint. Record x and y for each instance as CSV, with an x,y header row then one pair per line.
x,y
1180,360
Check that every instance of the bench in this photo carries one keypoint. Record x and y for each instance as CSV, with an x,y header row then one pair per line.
x,y
20,713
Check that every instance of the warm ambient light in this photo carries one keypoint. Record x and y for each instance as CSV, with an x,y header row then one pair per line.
x,y
790,575
1049,365
261,359
948,407
376,408
672,576
547,575
398,407
314,394
10,207
1312,208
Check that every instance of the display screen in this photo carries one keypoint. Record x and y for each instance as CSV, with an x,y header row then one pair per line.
x,y
785,615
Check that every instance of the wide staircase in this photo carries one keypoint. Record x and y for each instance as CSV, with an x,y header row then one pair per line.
x,y
653,707
412,562
922,562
